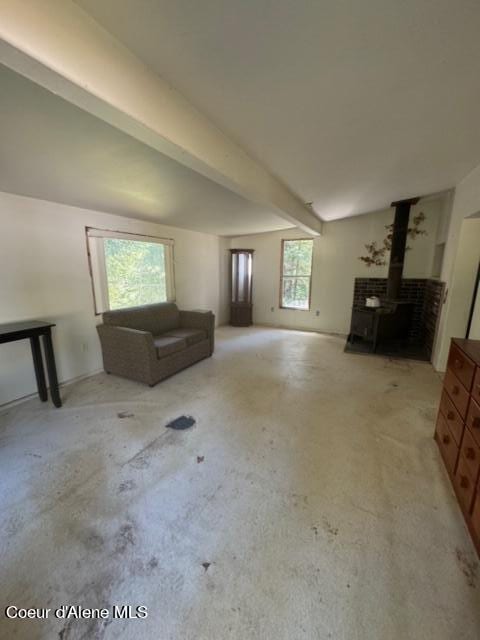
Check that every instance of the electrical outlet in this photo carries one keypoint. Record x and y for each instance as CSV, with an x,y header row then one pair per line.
x,y
317,312
272,309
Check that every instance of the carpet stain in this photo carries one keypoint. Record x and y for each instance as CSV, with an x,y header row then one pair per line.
x,y
127,485
329,528
95,594
400,365
298,499
181,423
141,568
391,386
125,537
206,565
13,526
125,414
152,563
200,459
429,413
89,630
142,459
93,541
468,566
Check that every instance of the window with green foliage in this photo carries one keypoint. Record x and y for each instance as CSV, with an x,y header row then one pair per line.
x,y
135,272
296,276
129,270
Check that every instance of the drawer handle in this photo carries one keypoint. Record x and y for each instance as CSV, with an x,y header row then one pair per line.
x,y
455,390
458,364
446,439
470,453
464,482
450,415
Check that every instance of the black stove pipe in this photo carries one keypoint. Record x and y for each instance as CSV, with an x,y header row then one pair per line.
x,y
399,243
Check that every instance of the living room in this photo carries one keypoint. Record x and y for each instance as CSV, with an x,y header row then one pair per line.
x,y
237,242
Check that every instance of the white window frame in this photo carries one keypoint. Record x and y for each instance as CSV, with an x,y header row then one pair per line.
x,y
283,276
98,271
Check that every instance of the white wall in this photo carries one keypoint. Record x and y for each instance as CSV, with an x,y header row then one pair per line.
x,y
335,266
454,316
462,281
43,262
461,284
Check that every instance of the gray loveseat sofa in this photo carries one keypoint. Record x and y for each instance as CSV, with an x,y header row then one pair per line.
x,y
152,342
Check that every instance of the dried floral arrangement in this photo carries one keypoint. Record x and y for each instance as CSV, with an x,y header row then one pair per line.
x,y
376,255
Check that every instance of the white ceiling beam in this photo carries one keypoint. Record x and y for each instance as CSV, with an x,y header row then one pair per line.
x,y
57,45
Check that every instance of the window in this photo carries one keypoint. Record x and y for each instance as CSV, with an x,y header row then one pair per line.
x,y
296,276
129,270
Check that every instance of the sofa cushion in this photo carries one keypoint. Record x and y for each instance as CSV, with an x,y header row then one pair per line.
x,y
166,345
192,336
155,318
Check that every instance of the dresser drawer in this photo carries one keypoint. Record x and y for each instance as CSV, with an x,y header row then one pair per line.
x,y
446,444
457,392
464,485
473,420
462,366
470,453
453,418
476,386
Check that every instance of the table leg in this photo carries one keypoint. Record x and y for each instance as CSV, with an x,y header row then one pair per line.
x,y
38,365
51,368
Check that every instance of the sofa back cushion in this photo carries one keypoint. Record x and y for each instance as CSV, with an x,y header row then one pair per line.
x,y
156,318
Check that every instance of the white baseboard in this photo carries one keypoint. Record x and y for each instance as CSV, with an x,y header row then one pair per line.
x,y
13,403
292,328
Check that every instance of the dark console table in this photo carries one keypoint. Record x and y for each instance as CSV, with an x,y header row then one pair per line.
x,y
33,329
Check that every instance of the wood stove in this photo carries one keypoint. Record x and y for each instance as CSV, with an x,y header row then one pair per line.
x,y
385,324
390,323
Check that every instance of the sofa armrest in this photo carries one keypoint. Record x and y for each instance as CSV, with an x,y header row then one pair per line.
x,y
200,320
127,351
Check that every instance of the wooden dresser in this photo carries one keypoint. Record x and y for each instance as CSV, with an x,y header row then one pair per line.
x,y
458,429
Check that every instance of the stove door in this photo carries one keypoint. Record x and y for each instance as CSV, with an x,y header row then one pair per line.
x,y
363,324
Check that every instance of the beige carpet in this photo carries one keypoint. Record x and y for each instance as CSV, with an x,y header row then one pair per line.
x,y
308,501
